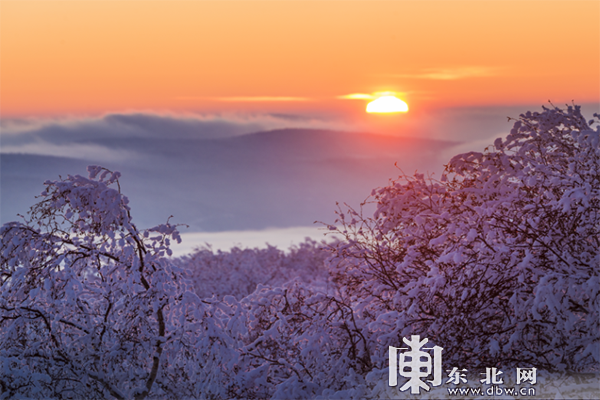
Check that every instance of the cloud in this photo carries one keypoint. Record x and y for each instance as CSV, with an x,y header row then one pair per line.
x,y
356,96
248,99
98,137
78,151
365,96
282,238
244,99
447,74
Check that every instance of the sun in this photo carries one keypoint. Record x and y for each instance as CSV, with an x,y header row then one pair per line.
x,y
387,104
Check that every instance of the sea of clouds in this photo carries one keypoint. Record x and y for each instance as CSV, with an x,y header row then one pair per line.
x,y
237,179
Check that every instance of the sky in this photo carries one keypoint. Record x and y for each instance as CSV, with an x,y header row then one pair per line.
x,y
105,81
80,57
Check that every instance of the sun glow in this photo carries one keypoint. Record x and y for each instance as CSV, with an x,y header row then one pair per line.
x,y
387,104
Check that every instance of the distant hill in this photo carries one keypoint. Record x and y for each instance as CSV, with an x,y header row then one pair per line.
x,y
278,178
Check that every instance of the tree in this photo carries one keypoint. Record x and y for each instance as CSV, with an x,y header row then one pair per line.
x,y
498,262
88,305
238,272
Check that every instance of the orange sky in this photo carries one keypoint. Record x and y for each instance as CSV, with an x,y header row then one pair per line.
x,y
82,57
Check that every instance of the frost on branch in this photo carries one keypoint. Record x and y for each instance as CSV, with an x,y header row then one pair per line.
x,y
498,262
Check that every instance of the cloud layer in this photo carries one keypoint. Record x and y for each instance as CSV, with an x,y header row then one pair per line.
x,y
236,173
214,174
88,138
452,73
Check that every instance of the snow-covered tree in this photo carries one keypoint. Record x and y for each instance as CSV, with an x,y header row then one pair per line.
x,y
88,306
238,272
498,262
